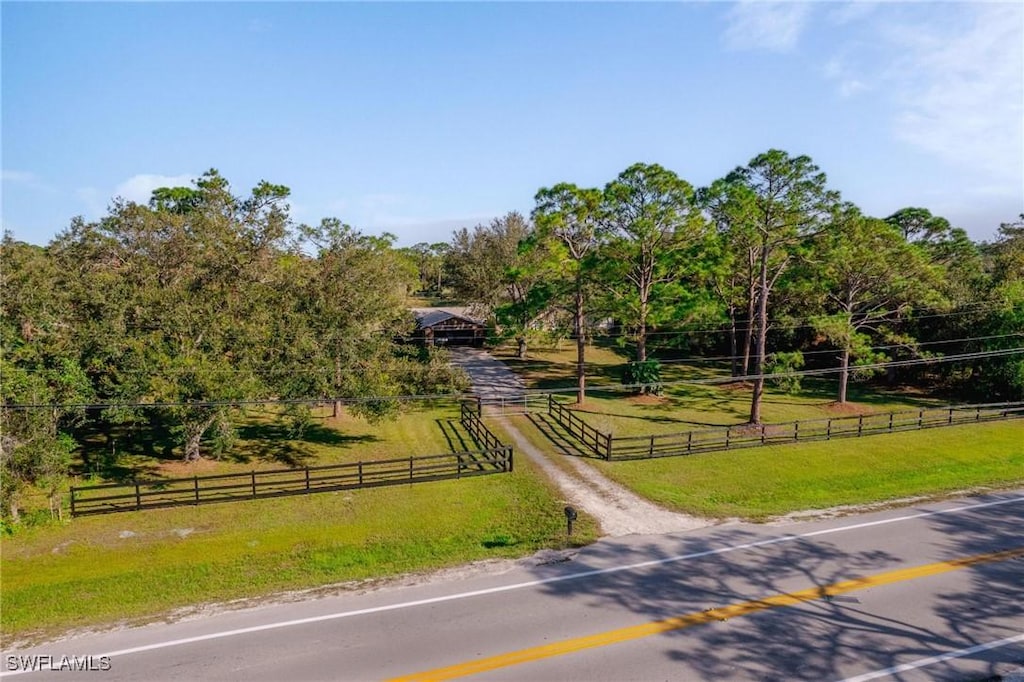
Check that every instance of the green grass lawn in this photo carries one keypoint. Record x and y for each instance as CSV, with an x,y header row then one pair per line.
x,y
266,442
136,565
688,407
758,483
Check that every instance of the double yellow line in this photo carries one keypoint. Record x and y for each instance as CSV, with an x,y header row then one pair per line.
x,y
680,622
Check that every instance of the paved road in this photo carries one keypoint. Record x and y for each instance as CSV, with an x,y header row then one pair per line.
x,y
826,600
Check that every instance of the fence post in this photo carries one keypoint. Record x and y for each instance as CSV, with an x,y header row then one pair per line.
x,y
796,430
72,500
860,424
138,496
254,483
828,430
195,481
410,468
511,459
762,433
608,447
307,479
890,422
728,434
650,448
920,419
950,416
689,441
360,474
977,414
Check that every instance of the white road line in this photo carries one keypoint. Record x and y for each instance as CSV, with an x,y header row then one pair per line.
x,y
931,660
542,581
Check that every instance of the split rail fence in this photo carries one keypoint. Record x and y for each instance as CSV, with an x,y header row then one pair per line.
x,y
493,457
609,447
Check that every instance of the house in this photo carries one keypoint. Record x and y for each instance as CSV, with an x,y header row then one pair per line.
x,y
448,327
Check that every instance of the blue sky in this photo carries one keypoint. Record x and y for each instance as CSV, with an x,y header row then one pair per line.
x,y
421,118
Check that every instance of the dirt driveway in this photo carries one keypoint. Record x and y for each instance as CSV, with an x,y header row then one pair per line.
x,y
491,377
618,510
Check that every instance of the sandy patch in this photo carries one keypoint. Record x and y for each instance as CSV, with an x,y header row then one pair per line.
x,y
619,511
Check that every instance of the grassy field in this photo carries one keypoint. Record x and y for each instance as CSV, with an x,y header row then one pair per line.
x,y
265,442
688,407
138,565
760,483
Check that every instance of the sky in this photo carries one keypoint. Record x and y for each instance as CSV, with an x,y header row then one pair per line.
x,y
421,118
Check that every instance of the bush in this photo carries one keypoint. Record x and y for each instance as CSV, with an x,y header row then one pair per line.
x,y
644,376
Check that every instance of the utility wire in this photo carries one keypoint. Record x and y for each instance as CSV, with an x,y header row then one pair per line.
x,y
436,396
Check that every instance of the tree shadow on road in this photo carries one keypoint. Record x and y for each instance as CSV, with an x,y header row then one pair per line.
x,y
820,639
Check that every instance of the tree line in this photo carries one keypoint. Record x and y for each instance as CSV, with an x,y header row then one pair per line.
x,y
771,254
178,310
155,322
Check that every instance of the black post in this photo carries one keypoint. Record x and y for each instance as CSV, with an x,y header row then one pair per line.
x,y
254,483
570,516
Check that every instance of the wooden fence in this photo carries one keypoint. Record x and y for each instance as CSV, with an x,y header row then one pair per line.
x,y
493,458
501,405
470,418
744,436
597,442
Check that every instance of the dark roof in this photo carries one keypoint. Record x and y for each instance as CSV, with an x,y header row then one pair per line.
x,y
428,317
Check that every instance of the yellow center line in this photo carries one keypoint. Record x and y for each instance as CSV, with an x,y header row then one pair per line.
x,y
680,622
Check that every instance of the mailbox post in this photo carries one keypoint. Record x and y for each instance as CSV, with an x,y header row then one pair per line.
x,y
570,516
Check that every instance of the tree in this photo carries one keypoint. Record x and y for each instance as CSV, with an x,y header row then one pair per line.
x,y
735,279
918,224
651,223
870,277
429,260
351,301
37,367
567,219
780,201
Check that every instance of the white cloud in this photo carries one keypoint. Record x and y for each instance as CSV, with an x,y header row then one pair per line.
x,y
139,188
851,86
25,179
960,91
837,69
17,176
756,24
847,12
93,200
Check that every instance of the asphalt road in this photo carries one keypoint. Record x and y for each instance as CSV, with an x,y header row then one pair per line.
x,y
937,589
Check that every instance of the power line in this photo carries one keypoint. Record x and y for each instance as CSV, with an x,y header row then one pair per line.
x,y
457,396
536,364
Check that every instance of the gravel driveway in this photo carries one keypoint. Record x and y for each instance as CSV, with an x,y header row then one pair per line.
x,y
490,377
618,510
